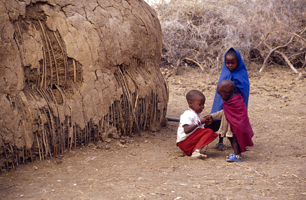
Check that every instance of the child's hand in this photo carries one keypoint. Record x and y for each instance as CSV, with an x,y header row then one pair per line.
x,y
203,120
209,119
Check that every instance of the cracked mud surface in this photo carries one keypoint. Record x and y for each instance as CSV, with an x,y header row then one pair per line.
x,y
152,167
57,54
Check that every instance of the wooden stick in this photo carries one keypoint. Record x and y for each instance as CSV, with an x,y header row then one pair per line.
x,y
55,62
194,62
271,51
21,42
38,146
65,62
42,143
64,97
303,31
51,68
43,70
284,56
5,158
8,187
135,104
47,47
144,24
68,143
13,152
288,61
52,122
31,155
74,70
147,108
45,143
263,40
299,37
151,108
173,119
64,56
23,152
51,130
1,167
80,136
129,100
74,130
17,157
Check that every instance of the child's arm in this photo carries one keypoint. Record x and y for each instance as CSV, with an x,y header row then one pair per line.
x,y
191,127
217,115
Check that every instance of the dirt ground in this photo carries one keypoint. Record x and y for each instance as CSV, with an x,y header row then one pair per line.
x,y
152,167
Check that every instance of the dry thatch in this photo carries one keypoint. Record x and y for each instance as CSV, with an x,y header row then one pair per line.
x,y
198,32
72,72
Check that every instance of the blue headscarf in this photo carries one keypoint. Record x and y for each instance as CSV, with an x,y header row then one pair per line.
x,y
240,79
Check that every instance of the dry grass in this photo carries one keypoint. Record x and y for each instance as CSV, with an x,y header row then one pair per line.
x,y
203,30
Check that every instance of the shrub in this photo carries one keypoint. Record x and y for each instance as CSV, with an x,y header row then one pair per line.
x,y
202,31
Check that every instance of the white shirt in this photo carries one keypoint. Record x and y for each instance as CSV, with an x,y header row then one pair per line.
x,y
188,117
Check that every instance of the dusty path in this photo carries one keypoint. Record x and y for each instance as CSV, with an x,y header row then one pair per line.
x,y
152,167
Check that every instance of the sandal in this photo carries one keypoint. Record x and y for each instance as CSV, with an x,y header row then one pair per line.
x,y
221,147
230,155
234,158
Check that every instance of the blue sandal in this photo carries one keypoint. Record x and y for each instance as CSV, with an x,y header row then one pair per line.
x,y
233,158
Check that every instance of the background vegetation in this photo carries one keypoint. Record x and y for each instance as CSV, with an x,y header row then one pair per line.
x,y
198,33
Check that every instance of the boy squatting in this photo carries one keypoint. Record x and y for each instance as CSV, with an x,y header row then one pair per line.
x,y
192,133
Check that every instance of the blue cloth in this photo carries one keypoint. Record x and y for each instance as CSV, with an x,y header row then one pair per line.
x,y
240,79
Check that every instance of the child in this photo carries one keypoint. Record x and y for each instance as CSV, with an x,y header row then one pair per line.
x,y
191,134
234,70
234,120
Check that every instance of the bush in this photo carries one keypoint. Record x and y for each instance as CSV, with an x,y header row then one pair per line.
x,y
199,32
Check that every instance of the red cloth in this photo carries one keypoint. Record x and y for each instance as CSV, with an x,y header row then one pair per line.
x,y
198,139
236,114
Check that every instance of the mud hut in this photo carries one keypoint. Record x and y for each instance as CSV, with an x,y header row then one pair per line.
x,y
72,72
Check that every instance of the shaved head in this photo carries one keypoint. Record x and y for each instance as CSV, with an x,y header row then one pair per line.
x,y
194,94
227,85
226,89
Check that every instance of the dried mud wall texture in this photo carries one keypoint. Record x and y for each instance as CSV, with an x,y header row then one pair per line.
x,y
72,72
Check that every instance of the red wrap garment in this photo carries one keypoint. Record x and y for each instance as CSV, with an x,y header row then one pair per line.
x,y
236,114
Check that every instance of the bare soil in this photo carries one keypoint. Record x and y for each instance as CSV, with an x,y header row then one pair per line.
x,y
152,167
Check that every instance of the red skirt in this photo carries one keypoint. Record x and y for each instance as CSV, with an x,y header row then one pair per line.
x,y
198,139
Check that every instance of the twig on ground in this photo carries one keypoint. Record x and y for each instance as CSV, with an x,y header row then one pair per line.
x,y
189,59
7,187
288,61
283,55
250,169
272,50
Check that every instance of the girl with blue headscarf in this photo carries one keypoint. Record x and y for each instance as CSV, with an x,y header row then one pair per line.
x,y
233,69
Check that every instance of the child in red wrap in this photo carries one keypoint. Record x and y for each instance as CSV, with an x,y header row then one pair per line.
x,y
191,134
234,118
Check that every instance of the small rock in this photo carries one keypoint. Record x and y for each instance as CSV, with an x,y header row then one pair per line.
x,y
91,145
122,141
121,145
58,161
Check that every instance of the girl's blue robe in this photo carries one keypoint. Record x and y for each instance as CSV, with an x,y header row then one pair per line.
x,y
240,79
